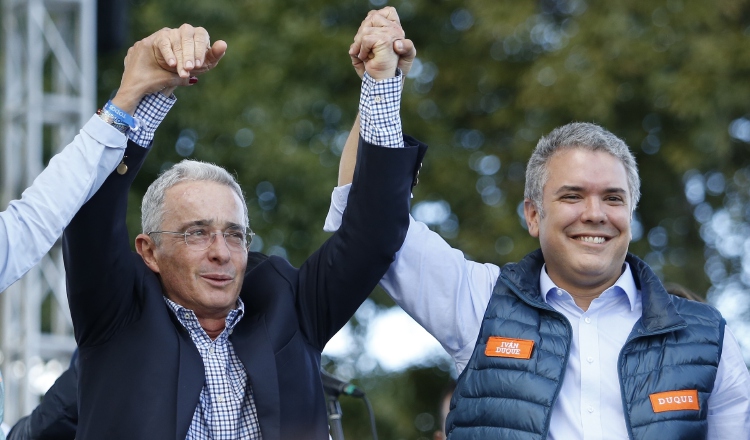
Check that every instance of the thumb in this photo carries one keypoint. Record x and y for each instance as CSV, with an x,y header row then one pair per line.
x,y
405,48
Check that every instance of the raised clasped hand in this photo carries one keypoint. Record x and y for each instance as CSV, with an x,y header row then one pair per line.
x,y
165,60
380,45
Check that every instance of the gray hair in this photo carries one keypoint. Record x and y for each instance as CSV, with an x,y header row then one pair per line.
x,y
578,135
152,206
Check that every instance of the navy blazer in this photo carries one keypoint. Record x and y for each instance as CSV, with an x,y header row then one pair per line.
x,y
141,375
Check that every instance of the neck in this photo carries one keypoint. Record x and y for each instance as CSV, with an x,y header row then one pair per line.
x,y
213,326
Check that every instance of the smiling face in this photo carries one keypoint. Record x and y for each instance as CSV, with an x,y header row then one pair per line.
x,y
205,281
585,231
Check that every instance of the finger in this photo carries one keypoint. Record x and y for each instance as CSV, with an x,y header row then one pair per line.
x,y
377,20
187,35
390,14
373,42
163,51
359,65
175,42
213,55
405,48
218,50
202,45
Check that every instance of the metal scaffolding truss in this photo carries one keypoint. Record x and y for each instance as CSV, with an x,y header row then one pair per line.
x,y
50,92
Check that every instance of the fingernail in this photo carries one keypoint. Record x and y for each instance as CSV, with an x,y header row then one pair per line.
x,y
193,80
197,63
171,62
188,64
399,45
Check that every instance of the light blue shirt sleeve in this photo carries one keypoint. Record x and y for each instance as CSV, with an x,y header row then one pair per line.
x,y
434,283
729,403
31,225
2,406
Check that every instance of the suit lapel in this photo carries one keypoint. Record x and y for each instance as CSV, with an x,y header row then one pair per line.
x,y
191,377
253,346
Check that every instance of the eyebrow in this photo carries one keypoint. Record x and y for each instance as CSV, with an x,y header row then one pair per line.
x,y
574,188
205,222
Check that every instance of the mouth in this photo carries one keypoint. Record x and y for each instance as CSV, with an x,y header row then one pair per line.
x,y
219,280
593,239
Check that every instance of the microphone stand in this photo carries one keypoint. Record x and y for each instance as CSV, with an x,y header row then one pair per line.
x,y
334,418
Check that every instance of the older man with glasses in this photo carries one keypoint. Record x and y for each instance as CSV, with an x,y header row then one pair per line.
x,y
195,337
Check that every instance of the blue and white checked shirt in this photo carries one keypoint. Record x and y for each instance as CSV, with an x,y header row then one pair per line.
x,y
151,111
380,111
226,409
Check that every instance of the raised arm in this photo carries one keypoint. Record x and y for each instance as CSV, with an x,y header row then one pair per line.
x,y
31,225
338,277
406,52
431,281
99,265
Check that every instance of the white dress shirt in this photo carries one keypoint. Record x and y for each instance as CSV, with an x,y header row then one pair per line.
x,y
448,294
31,225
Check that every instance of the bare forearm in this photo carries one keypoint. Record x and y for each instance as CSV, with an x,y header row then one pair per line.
x,y
349,155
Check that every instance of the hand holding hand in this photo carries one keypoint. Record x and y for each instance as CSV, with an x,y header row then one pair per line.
x,y
380,45
187,50
165,60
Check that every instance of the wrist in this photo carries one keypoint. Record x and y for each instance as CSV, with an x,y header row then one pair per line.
x,y
388,72
111,119
121,116
127,100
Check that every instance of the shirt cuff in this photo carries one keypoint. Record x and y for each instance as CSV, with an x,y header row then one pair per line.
x,y
151,111
339,198
380,111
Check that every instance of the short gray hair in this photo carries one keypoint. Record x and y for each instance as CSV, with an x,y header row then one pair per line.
x,y
152,206
578,135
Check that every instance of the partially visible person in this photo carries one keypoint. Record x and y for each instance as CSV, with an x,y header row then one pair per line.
x,y
682,292
180,339
31,225
578,340
444,409
56,417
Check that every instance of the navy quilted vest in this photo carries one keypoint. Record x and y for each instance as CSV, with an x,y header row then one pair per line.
x,y
676,345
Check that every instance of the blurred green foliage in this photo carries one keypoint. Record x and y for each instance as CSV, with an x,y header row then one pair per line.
x,y
668,76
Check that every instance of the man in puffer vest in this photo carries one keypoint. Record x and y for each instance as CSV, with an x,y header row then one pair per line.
x,y
579,340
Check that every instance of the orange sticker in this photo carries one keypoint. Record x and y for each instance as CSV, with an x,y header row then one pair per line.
x,y
509,348
675,401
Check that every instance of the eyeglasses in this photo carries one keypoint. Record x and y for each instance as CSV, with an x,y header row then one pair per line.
x,y
201,238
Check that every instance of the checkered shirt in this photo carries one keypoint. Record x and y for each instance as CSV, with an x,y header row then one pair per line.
x,y
379,111
151,111
226,410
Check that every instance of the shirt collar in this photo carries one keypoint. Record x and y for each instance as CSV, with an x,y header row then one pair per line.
x,y
188,319
625,283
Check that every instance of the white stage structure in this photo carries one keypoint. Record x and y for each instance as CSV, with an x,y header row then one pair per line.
x,y
50,92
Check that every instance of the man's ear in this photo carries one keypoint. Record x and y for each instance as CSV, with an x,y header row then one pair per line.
x,y
146,248
531,214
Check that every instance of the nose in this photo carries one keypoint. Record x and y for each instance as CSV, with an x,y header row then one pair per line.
x,y
218,250
594,211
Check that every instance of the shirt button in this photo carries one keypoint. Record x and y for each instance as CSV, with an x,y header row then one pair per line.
x,y
211,350
186,315
588,320
378,99
559,292
590,359
220,399
230,331
590,409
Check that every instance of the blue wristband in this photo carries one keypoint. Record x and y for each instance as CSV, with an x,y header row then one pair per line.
x,y
122,116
